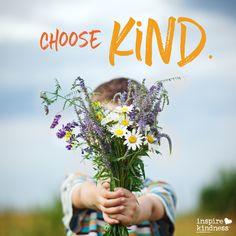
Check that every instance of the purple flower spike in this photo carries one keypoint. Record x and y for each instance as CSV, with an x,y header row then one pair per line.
x,y
55,121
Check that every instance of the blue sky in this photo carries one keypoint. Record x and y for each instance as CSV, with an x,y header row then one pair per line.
x,y
200,119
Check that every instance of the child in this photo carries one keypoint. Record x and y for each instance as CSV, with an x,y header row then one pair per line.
x,y
87,206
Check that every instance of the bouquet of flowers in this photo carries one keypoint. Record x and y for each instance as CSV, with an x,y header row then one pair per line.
x,y
114,140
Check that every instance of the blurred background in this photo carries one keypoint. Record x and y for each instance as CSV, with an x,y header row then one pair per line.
x,y
200,119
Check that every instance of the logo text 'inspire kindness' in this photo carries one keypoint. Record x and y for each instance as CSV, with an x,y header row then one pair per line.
x,y
90,39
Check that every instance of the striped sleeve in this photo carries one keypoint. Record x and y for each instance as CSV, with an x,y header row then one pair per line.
x,y
70,219
167,196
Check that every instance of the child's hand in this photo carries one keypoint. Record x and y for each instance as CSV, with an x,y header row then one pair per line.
x,y
131,211
109,202
120,206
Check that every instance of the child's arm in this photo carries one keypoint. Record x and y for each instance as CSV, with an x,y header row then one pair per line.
x,y
151,208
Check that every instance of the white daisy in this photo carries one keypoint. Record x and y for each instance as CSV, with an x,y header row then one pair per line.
x,y
133,139
150,140
125,121
118,130
110,117
124,109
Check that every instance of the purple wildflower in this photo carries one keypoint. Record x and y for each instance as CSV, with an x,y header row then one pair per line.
x,y
98,130
82,84
151,118
69,126
61,133
146,104
132,114
69,146
157,107
152,89
142,124
90,126
155,90
55,121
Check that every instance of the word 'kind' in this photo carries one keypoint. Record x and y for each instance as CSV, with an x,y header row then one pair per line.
x,y
119,35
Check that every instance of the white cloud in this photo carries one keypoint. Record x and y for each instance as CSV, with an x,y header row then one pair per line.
x,y
19,30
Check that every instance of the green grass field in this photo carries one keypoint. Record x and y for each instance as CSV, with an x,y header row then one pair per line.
x,y
26,224
45,224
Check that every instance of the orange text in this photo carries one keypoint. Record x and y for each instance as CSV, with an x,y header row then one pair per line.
x,y
61,39
153,34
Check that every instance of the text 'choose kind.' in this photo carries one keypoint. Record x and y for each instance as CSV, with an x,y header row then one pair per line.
x,y
90,39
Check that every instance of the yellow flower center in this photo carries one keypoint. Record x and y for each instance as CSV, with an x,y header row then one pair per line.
x,y
150,139
68,135
124,109
125,122
132,139
119,132
99,116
